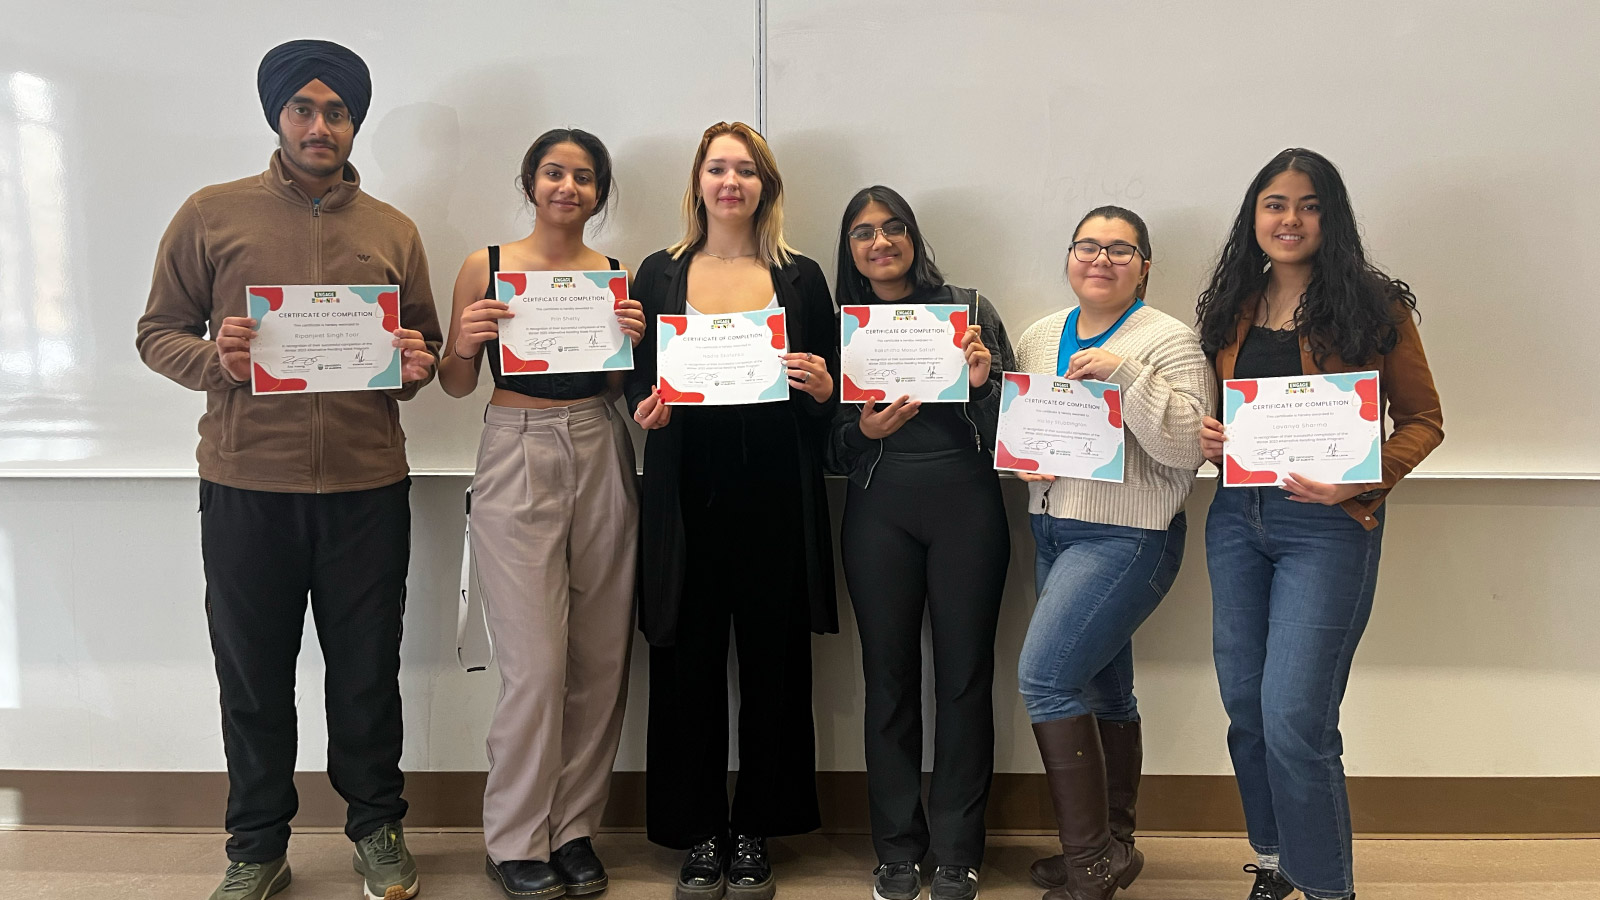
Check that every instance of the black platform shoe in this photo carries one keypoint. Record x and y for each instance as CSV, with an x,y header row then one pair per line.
x,y
701,877
750,871
1269,884
525,879
579,868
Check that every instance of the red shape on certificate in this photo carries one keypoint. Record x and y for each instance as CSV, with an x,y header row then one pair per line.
x,y
619,288
1022,382
853,394
680,324
862,314
517,280
1004,459
389,302
670,394
1114,408
775,323
958,321
1238,474
1367,390
512,364
273,296
266,382
1247,389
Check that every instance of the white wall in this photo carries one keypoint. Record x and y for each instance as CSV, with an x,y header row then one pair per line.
x,y
1479,659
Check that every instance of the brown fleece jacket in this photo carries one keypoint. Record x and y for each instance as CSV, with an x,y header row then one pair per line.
x,y
265,230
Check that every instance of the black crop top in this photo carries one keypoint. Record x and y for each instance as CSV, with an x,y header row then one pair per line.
x,y
559,386
1268,353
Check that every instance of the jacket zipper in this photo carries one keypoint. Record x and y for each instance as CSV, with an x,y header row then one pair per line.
x,y
316,399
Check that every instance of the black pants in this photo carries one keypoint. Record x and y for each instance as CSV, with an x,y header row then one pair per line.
x,y
264,552
929,533
745,568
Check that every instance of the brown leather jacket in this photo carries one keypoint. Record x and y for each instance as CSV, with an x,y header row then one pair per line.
x,y
265,230
1406,391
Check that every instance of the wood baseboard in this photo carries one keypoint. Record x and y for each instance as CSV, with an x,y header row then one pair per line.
x,y
1191,804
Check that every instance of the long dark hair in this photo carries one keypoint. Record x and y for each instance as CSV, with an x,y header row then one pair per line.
x,y
603,182
1350,308
852,287
1141,234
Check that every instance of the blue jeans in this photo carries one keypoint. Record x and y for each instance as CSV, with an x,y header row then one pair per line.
x,y
1291,587
1096,584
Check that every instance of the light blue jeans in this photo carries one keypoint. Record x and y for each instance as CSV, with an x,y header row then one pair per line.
x,y
1291,587
1096,584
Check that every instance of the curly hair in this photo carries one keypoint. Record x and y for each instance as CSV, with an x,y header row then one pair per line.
x,y
1350,308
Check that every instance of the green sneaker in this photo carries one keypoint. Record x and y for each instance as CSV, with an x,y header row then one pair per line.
x,y
383,860
253,881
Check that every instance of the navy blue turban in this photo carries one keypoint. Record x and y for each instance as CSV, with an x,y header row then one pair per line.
x,y
289,67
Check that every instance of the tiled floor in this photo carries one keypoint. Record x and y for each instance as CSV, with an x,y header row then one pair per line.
x,y
57,865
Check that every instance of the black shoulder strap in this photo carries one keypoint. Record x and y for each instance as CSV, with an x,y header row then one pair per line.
x,y
494,269
615,266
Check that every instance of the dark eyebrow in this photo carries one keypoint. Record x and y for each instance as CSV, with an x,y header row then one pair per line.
x,y
335,103
550,162
1284,197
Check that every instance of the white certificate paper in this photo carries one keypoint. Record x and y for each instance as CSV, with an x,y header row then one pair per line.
x,y
1324,427
563,322
890,350
323,337
1052,426
723,359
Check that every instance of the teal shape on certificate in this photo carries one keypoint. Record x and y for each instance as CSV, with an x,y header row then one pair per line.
x,y
259,307
847,329
602,279
1346,381
957,391
370,292
1232,400
1112,469
1371,468
1008,392
779,389
504,291
664,336
623,358
390,377
1097,388
943,311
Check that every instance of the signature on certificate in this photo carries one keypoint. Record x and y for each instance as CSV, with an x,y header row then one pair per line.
x,y
301,360
1269,454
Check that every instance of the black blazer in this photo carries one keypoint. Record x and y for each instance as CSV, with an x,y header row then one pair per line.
x,y
661,287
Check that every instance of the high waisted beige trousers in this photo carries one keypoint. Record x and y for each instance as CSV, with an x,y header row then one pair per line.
x,y
555,514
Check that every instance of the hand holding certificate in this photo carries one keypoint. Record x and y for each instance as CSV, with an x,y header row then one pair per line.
x,y
892,350
1053,426
562,322
312,338
1321,427
723,359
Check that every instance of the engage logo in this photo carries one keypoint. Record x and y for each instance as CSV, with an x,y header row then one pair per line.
x,y
563,281
721,323
1299,387
324,296
1061,387
905,315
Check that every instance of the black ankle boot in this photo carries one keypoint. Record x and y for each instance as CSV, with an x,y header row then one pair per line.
x,y
579,868
525,879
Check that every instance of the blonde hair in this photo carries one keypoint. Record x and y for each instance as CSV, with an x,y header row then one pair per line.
x,y
771,248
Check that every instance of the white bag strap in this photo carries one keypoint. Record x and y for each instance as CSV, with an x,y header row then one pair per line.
x,y
469,578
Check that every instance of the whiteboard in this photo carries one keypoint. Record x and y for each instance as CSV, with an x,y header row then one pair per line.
x,y
1459,127
1466,132
111,114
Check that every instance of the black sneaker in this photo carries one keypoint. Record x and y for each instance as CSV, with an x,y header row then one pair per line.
x,y
579,868
1269,884
954,883
749,871
897,881
701,877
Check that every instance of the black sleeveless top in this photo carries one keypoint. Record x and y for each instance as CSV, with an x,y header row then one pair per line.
x,y
1268,353
558,386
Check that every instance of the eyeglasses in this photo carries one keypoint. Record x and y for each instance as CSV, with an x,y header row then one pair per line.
x,y
891,229
1088,251
303,114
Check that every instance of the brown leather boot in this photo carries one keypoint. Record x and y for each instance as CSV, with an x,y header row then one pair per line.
x,y
1095,863
1123,746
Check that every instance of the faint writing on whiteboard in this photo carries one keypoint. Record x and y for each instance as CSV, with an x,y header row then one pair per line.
x,y
1094,188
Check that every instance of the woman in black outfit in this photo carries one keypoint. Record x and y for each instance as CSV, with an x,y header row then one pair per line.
x,y
734,528
924,529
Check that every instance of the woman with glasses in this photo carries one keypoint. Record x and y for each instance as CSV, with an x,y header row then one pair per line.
x,y
924,530
1107,553
554,526
1294,567
735,530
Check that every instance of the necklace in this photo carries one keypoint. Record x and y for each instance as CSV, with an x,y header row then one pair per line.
x,y
727,258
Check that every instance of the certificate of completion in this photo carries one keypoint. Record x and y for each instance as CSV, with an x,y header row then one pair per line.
x,y
891,350
724,359
323,337
1324,427
563,322
1052,426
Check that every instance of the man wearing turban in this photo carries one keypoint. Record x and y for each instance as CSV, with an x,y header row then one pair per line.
x,y
302,495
